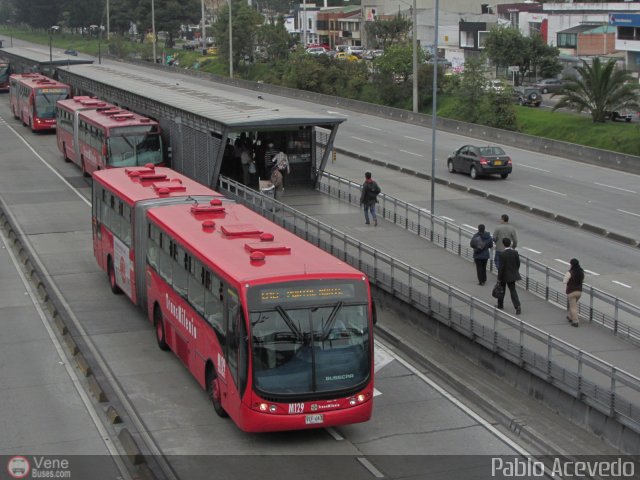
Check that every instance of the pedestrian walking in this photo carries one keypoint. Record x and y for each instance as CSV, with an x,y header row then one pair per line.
x,y
504,230
481,243
369,198
246,161
269,153
573,280
509,274
276,180
281,162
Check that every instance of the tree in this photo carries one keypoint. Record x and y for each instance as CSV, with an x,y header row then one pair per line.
x,y
506,46
388,32
245,23
39,14
169,15
275,40
600,89
502,112
82,13
471,97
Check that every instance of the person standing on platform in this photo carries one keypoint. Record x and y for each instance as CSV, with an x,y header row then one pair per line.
x,y
509,274
481,243
268,157
504,230
281,162
369,198
573,280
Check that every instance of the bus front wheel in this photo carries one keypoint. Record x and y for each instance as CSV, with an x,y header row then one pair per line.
x,y
215,394
112,277
158,324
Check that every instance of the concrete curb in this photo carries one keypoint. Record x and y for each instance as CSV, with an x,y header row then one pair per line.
x,y
130,447
95,389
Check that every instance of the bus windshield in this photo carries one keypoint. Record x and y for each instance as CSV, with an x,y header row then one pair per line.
x,y
46,99
133,146
302,346
4,73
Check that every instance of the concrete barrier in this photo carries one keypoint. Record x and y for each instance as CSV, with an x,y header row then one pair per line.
x,y
95,389
130,447
113,416
83,365
543,213
457,186
593,229
621,238
519,206
567,221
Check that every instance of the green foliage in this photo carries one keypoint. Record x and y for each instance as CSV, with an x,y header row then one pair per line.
x,y
599,88
383,33
471,99
275,40
245,22
502,111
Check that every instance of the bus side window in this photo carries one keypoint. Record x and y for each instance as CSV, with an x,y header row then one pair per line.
x,y
127,228
165,258
213,312
153,249
180,270
232,335
196,286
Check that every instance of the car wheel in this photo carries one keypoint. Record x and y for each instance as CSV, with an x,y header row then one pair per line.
x,y
544,90
450,166
474,173
504,175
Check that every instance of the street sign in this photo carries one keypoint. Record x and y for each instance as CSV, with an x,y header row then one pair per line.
x,y
514,69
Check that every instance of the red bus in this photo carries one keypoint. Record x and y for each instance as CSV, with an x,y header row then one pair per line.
x,y
33,99
278,332
4,76
96,135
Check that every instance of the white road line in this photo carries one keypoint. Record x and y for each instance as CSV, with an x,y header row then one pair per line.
x,y
621,284
629,213
447,218
414,138
534,168
411,153
362,139
561,261
332,431
592,273
458,403
337,113
615,188
73,375
550,191
372,128
369,466
376,392
531,250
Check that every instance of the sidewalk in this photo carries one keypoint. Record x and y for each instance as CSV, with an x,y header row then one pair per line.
x,y
456,271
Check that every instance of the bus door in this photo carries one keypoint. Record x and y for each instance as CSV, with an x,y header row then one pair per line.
x,y
236,353
97,224
76,138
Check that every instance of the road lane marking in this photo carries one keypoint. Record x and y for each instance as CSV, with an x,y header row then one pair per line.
x,y
337,113
411,153
414,138
531,250
332,431
615,188
372,128
592,273
362,139
561,261
550,191
534,168
369,466
629,213
621,284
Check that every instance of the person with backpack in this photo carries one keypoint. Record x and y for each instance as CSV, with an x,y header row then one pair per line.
x,y
573,280
369,198
481,242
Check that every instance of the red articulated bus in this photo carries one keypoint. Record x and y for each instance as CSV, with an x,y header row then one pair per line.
x,y
33,99
96,135
4,76
279,332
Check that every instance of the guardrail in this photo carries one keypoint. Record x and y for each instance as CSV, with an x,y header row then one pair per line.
x,y
595,305
580,374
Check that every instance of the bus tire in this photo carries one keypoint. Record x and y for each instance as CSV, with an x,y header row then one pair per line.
x,y
213,389
111,273
15,115
158,325
84,168
64,153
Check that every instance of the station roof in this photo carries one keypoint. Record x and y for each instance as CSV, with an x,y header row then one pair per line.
x,y
40,55
236,111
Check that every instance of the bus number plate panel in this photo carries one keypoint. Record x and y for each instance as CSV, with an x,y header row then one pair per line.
x,y
314,419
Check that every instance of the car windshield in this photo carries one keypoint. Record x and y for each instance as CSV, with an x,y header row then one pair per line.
x,y
301,347
133,146
491,151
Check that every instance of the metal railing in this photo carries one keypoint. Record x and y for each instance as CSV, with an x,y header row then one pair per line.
x,y
580,374
596,306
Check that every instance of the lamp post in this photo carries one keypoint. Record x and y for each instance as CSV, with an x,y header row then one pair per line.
x,y
434,115
50,47
10,22
99,49
414,19
204,33
230,43
153,29
108,23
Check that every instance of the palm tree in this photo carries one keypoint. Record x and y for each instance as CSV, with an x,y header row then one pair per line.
x,y
600,89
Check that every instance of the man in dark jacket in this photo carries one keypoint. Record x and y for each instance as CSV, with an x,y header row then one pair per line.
x,y
509,274
368,198
481,242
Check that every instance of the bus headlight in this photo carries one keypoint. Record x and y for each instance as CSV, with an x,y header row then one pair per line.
x,y
361,398
263,407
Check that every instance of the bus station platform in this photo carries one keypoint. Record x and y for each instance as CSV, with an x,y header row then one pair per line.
x,y
423,255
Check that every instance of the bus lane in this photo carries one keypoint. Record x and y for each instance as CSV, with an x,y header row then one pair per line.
x,y
411,417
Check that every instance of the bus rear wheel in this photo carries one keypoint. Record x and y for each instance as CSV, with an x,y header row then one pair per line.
x,y
83,166
112,277
215,394
64,153
158,325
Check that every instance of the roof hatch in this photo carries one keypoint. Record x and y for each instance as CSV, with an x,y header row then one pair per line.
x,y
214,206
240,230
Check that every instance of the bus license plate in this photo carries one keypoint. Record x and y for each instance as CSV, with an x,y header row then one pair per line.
x,y
314,419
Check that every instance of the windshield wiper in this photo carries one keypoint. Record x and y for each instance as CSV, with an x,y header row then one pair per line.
x,y
331,320
290,324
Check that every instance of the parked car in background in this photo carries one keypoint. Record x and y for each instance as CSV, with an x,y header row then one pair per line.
x,y
346,56
478,161
527,96
372,54
316,51
356,50
622,115
71,52
550,85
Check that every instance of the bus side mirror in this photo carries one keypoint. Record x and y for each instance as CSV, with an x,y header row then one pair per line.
x,y
374,312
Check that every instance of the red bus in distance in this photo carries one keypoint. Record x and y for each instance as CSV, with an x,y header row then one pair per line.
x,y
96,135
33,99
4,76
279,332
